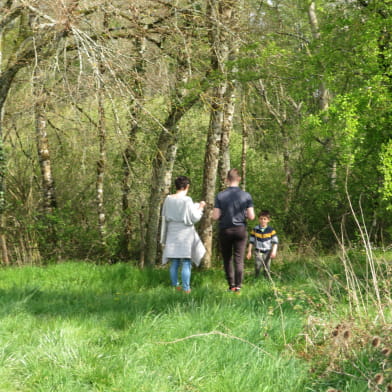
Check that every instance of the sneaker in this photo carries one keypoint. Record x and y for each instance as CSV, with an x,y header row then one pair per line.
x,y
187,291
237,290
178,288
231,289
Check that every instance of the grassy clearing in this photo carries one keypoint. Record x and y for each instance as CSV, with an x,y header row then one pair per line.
x,y
83,327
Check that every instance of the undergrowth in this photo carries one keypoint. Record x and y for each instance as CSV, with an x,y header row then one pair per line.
x,y
85,327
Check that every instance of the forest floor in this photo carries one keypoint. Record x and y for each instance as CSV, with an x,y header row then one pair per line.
x,y
78,326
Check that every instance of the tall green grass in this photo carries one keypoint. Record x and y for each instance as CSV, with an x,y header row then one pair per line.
x,y
82,327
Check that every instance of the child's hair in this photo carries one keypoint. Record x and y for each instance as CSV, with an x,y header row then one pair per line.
x,y
181,182
265,213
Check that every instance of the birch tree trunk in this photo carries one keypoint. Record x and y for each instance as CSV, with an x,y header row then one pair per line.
x,y
287,168
101,164
244,150
210,170
323,94
227,126
49,202
221,17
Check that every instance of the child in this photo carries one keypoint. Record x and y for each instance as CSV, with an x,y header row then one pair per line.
x,y
265,242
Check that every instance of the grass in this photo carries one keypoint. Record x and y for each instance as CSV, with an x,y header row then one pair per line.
x,y
81,327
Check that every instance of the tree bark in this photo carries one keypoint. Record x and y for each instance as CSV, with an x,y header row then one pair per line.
x,y
210,170
101,164
244,150
161,180
287,169
220,14
323,94
49,202
129,154
3,238
227,126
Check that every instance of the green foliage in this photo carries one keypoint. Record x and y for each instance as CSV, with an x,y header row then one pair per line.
x,y
293,147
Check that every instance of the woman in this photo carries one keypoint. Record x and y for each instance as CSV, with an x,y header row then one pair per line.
x,y
181,242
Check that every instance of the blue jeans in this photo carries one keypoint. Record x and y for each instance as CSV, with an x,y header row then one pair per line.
x,y
185,272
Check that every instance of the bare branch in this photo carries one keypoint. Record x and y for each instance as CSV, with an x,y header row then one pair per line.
x,y
220,334
10,16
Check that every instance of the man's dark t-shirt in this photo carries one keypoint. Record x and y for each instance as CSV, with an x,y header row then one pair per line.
x,y
233,203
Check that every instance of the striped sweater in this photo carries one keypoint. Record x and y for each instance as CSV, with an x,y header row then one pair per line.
x,y
263,238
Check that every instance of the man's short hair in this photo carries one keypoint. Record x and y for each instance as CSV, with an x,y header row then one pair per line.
x,y
181,182
233,175
264,213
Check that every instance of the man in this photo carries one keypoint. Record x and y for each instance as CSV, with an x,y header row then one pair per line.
x,y
232,208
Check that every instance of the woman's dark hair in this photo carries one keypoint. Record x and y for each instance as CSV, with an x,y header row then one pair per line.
x,y
181,182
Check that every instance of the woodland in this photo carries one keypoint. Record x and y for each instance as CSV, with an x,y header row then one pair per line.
x,y
104,102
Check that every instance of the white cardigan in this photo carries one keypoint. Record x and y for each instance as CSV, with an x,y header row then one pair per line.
x,y
178,234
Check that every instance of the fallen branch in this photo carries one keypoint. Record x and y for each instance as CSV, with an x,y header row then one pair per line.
x,y
221,334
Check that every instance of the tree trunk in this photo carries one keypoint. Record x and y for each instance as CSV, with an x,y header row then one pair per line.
x,y
287,169
220,14
227,125
162,172
3,239
5,85
244,151
160,183
210,170
129,154
124,251
101,166
49,202
279,110
323,95
142,239
182,101
48,192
